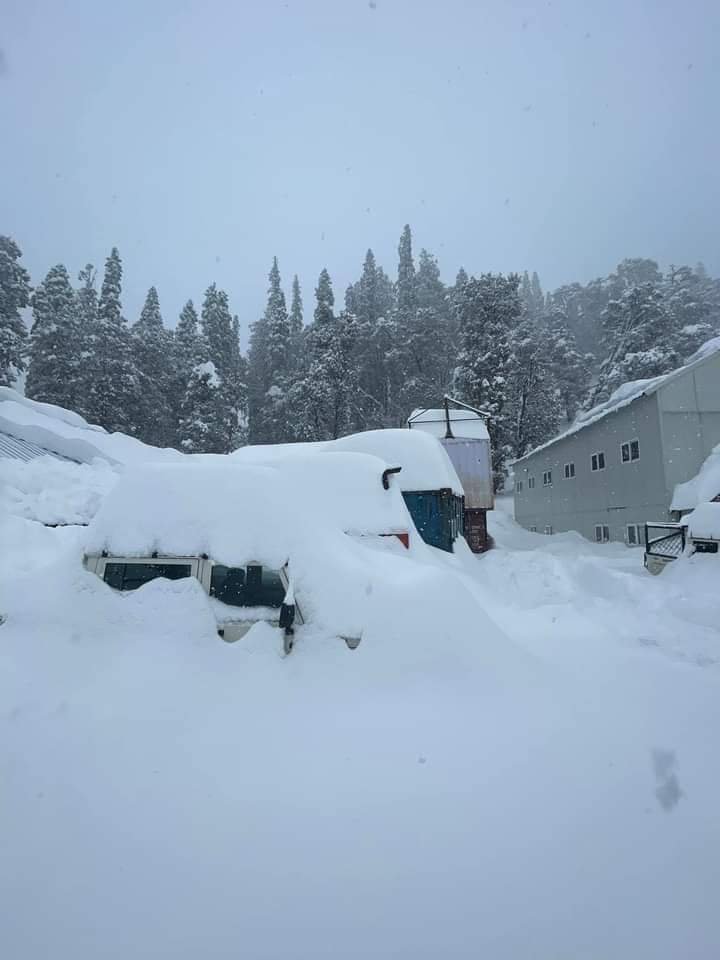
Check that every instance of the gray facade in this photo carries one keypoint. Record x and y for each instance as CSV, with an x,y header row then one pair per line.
x,y
668,430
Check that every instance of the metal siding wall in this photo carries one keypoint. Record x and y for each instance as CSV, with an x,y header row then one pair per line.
x,y
622,494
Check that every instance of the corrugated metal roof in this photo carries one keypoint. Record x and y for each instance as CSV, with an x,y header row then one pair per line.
x,y
13,448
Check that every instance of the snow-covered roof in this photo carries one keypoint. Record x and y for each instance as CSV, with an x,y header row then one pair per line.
x,y
702,487
69,435
626,394
425,464
13,448
704,521
465,424
236,511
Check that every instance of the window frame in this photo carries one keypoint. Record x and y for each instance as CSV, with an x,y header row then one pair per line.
x,y
518,486
596,457
548,531
628,445
175,561
531,483
569,470
547,478
603,528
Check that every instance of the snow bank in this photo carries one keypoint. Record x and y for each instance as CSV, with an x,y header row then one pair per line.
x,y
67,433
425,464
704,521
54,491
702,487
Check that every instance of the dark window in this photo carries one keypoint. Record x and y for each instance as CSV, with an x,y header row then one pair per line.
x,y
602,533
548,530
632,534
625,452
597,461
569,471
130,576
634,449
705,546
251,586
531,483
547,478
518,486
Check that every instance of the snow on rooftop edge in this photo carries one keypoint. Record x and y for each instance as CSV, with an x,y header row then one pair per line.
x,y
704,486
624,395
68,434
465,424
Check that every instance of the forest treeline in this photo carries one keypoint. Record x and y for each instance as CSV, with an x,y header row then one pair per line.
x,y
530,359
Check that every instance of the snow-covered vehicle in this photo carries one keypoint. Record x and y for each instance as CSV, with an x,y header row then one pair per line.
x,y
698,532
266,543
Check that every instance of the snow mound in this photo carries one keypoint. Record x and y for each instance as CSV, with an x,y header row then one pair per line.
x,y
64,432
704,521
702,487
425,464
55,491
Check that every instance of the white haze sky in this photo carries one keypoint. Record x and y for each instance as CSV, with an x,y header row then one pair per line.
x,y
204,138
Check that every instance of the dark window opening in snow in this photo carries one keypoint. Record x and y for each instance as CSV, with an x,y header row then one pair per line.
x,y
602,533
597,461
251,586
547,478
706,546
130,576
569,471
533,529
548,530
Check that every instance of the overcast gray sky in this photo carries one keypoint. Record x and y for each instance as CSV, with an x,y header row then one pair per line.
x,y
202,138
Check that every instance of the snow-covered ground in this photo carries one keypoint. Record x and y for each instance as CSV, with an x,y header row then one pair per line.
x,y
540,782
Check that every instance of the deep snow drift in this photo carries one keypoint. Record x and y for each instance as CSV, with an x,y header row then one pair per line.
x,y
538,781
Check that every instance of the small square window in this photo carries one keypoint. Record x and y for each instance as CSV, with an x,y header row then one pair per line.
x,y
548,530
569,471
547,478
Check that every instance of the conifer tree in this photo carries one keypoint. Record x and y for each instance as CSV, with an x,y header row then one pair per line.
x,y
489,308
152,355
14,296
296,312
113,390
55,372
201,427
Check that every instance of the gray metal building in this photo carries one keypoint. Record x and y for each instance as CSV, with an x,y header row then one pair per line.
x,y
617,469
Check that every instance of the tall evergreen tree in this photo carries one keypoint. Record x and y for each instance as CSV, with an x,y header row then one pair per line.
x,y
489,309
55,371
112,383
14,296
269,365
296,311
152,355
201,428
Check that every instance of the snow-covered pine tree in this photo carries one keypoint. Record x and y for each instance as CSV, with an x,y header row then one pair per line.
x,y
533,406
221,333
370,302
426,348
56,368
571,371
14,296
324,400
690,304
201,428
112,384
269,363
638,338
489,309
152,355
537,296
296,314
